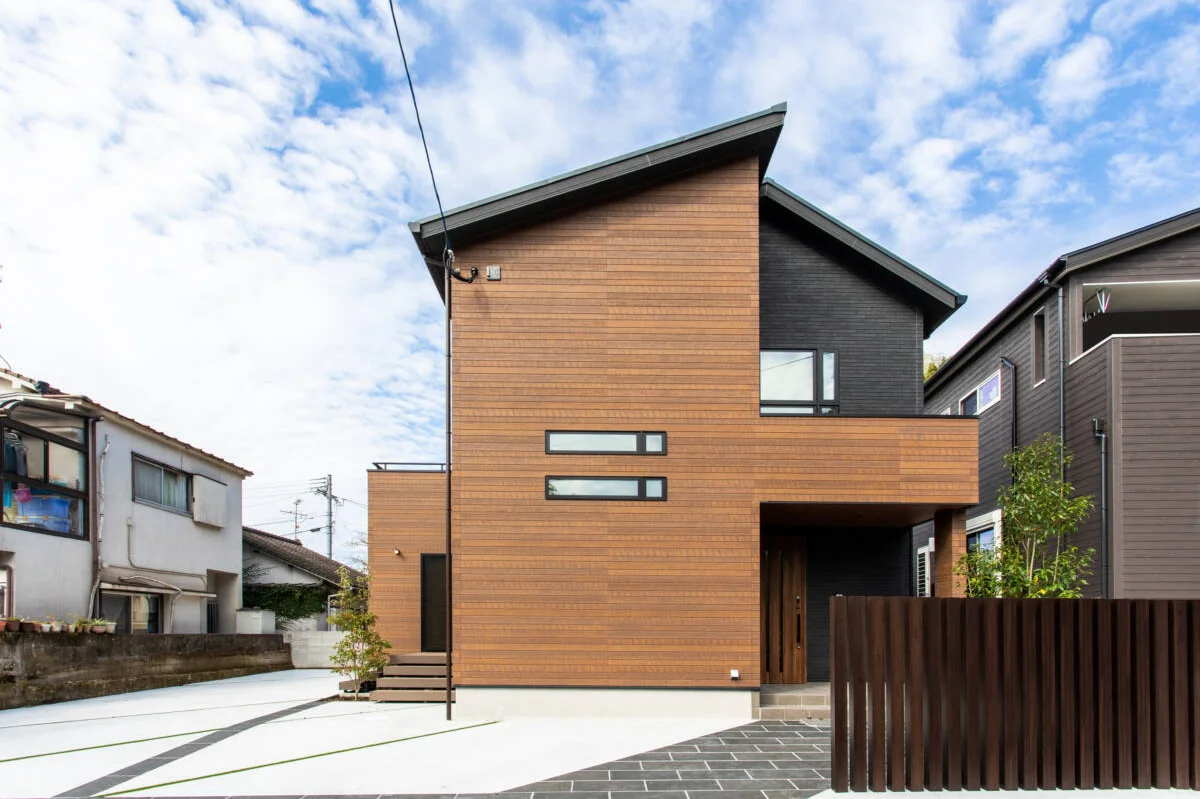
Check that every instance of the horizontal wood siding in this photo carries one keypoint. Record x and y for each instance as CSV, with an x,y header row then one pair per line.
x,y
1089,397
405,511
1159,429
642,314
814,297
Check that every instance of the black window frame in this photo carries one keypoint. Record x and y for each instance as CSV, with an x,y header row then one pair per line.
x,y
641,481
135,457
641,442
819,405
82,496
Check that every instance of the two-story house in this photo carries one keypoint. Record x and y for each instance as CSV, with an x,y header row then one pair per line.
x,y
104,516
687,410
1103,348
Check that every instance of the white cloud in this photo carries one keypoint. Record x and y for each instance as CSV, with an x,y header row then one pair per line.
x,y
1131,173
1119,17
1075,81
1023,29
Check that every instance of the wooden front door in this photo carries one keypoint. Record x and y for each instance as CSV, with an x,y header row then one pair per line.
x,y
784,643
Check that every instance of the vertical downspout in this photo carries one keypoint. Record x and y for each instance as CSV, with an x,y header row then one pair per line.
x,y
448,261
1098,433
1012,371
1062,387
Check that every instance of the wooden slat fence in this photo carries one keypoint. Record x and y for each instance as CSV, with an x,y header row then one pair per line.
x,y
952,694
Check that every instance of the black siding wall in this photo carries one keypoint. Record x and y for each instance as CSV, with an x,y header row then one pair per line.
x,y
855,562
1089,397
812,296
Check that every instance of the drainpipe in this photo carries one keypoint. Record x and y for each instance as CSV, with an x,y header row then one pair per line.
x,y
1062,387
448,263
97,484
1099,434
1012,371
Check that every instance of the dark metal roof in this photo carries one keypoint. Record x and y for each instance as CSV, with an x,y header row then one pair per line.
x,y
749,135
936,299
1045,283
295,554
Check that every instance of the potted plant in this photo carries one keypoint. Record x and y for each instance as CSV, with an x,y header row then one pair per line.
x,y
29,626
12,624
110,627
96,626
53,625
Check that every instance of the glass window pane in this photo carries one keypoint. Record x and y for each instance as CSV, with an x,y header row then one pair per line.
x,y
68,467
46,510
829,410
829,376
655,442
24,455
593,442
144,613
147,482
787,410
175,493
60,424
786,376
989,392
969,405
655,487
619,487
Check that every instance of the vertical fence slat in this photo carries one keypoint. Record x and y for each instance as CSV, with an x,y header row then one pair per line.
x,y
837,687
896,681
856,616
1123,689
839,750
877,640
916,695
953,704
1181,705
935,687
1106,770
992,695
1049,695
1160,656
1068,637
972,685
1143,774
1010,616
1030,683
1194,669
1086,697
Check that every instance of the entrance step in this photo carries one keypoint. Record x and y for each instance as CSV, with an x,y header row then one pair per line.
x,y
432,683
794,702
792,712
414,671
418,659
402,695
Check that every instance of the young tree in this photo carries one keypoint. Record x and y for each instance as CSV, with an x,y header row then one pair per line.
x,y
1036,556
360,652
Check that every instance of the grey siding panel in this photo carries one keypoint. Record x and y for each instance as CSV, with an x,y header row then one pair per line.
x,y
1176,259
813,297
1159,426
1088,397
1037,406
857,562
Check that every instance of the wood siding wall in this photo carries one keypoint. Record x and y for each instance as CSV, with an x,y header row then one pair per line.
x,y
405,511
642,314
813,297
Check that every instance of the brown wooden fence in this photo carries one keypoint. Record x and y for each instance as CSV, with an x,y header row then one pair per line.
x,y
950,694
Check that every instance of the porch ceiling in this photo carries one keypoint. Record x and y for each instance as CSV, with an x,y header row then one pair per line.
x,y
856,514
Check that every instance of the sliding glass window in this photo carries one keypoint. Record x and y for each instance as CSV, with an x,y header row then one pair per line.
x,y
627,488
44,472
599,442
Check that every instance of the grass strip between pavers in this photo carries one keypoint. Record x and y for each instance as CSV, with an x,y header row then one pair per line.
x,y
292,760
108,745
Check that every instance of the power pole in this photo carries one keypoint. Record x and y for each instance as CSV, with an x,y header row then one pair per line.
x,y
297,516
325,488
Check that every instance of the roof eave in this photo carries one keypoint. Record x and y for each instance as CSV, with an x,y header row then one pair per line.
x,y
940,300
754,134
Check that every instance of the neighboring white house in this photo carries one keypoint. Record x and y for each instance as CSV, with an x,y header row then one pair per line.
x,y
275,560
103,516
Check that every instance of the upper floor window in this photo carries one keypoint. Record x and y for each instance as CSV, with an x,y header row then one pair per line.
x,y
1039,347
44,472
798,382
161,485
636,488
587,442
985,395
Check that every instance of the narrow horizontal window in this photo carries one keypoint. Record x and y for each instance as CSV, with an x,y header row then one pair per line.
x,y
985,395
629,488
161,486
593,442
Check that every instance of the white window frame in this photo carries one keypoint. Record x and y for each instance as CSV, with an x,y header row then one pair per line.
x,y
1045,353
993,520
979,409
925,558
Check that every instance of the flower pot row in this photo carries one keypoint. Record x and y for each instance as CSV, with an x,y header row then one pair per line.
x,y
99,626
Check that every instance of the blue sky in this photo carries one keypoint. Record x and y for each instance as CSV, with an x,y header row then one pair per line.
x,y
211,195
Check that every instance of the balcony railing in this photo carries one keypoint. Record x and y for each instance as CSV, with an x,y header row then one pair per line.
x,y
398,466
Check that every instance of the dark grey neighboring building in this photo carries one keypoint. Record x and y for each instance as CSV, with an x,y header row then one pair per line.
x,y
1125,381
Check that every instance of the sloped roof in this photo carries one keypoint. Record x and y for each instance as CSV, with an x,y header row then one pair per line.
x,y
1063,265
293,553
41,392
936,299
755,134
